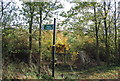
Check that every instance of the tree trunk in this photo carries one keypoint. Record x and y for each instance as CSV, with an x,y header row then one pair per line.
x,y
1,10
40,37
30,32
119,51
97,42
106,35
115,39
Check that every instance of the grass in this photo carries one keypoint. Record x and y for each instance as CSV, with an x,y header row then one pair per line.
x,y
98,72
21,70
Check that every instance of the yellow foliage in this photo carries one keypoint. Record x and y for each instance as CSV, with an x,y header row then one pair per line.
x,y
61,41
74,54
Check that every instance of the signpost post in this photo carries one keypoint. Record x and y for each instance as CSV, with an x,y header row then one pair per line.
x,y
53,47
52,27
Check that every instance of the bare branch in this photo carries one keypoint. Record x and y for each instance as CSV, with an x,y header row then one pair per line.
x,y
3,8
49,11
6,5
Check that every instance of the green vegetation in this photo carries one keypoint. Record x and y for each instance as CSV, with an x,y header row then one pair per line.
x,y
22,71
87,40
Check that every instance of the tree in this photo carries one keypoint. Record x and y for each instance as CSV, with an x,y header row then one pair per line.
x,y
106,34
8,18
3,8
97,42
81,17
8,14
29,10
40,36
115,30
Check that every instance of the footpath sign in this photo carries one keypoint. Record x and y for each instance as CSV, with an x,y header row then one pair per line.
x,y
48,27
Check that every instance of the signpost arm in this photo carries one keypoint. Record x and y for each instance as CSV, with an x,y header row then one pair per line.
x,y
53,48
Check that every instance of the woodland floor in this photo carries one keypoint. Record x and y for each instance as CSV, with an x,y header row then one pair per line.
x,y
21,71
98,72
